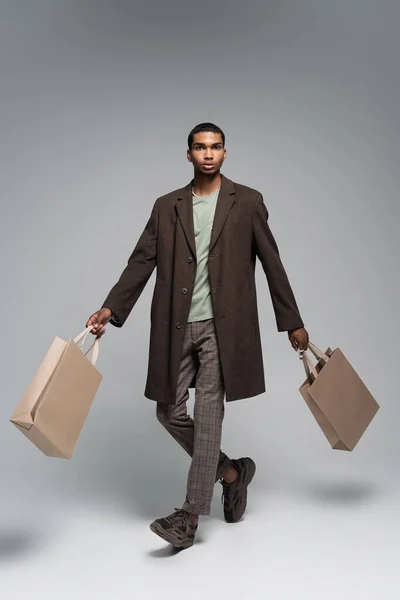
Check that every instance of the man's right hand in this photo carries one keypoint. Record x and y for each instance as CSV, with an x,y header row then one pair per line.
x,y
99,320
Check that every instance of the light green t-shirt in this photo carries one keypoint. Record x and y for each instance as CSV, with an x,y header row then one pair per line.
x,y
203,217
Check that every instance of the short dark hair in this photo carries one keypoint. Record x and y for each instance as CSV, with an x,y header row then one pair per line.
x,y
202,128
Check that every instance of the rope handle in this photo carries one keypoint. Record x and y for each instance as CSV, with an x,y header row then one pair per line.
x,y
80,340
308,364
318,353
309,367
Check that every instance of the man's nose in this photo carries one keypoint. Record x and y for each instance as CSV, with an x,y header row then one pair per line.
x,y
208,153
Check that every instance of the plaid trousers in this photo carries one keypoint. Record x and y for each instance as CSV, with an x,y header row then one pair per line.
x,y
200,436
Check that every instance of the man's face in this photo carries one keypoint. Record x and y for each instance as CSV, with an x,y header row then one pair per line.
x,y
207,152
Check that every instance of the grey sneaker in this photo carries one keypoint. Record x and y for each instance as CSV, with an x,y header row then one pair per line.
x,y
234,495
176,529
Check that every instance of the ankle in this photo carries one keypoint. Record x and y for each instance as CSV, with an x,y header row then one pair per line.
x,y
230,474
194,519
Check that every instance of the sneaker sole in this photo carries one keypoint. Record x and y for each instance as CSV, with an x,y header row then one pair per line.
x,y
170,538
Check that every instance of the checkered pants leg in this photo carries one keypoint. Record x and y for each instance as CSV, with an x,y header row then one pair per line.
x,y
200,436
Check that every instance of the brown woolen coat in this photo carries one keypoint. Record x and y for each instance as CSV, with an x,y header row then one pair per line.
x,y
240,234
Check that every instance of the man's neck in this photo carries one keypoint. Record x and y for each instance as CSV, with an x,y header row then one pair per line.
x,y
204,185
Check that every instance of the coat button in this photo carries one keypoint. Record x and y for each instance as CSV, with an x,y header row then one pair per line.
x,y
178,325
184,290
190,259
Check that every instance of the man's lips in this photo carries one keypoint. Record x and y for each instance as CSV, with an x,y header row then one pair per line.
x,y
208,165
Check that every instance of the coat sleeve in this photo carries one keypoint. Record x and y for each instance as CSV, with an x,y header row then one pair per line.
x,y
285,307
141,263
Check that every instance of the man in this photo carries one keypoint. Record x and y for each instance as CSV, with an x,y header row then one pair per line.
x,y
204,239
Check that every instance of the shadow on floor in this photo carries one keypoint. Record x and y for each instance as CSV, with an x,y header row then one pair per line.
x,y
167,551
341,492
16,544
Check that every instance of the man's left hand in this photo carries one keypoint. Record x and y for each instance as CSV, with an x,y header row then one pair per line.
x,y
298,338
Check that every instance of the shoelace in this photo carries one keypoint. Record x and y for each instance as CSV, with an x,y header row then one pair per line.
x,y
177,518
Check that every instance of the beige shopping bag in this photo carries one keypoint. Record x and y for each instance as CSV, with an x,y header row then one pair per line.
x,y
337,397
55,405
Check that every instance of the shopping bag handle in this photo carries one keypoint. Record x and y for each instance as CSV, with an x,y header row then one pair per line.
x,y
317,352
80,340
95,353
308,367
81,337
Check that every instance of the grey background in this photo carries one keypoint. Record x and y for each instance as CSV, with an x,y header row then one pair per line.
x,y
97,99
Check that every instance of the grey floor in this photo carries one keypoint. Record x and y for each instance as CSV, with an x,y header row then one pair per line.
x,y
323,539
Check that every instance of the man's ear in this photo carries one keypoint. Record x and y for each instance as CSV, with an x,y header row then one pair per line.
x,y
188,156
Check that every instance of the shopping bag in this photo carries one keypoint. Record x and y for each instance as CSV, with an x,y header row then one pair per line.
x,y
337,397
55,405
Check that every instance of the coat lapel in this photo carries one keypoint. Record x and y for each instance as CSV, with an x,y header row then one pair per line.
x,y
226,199
184,207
